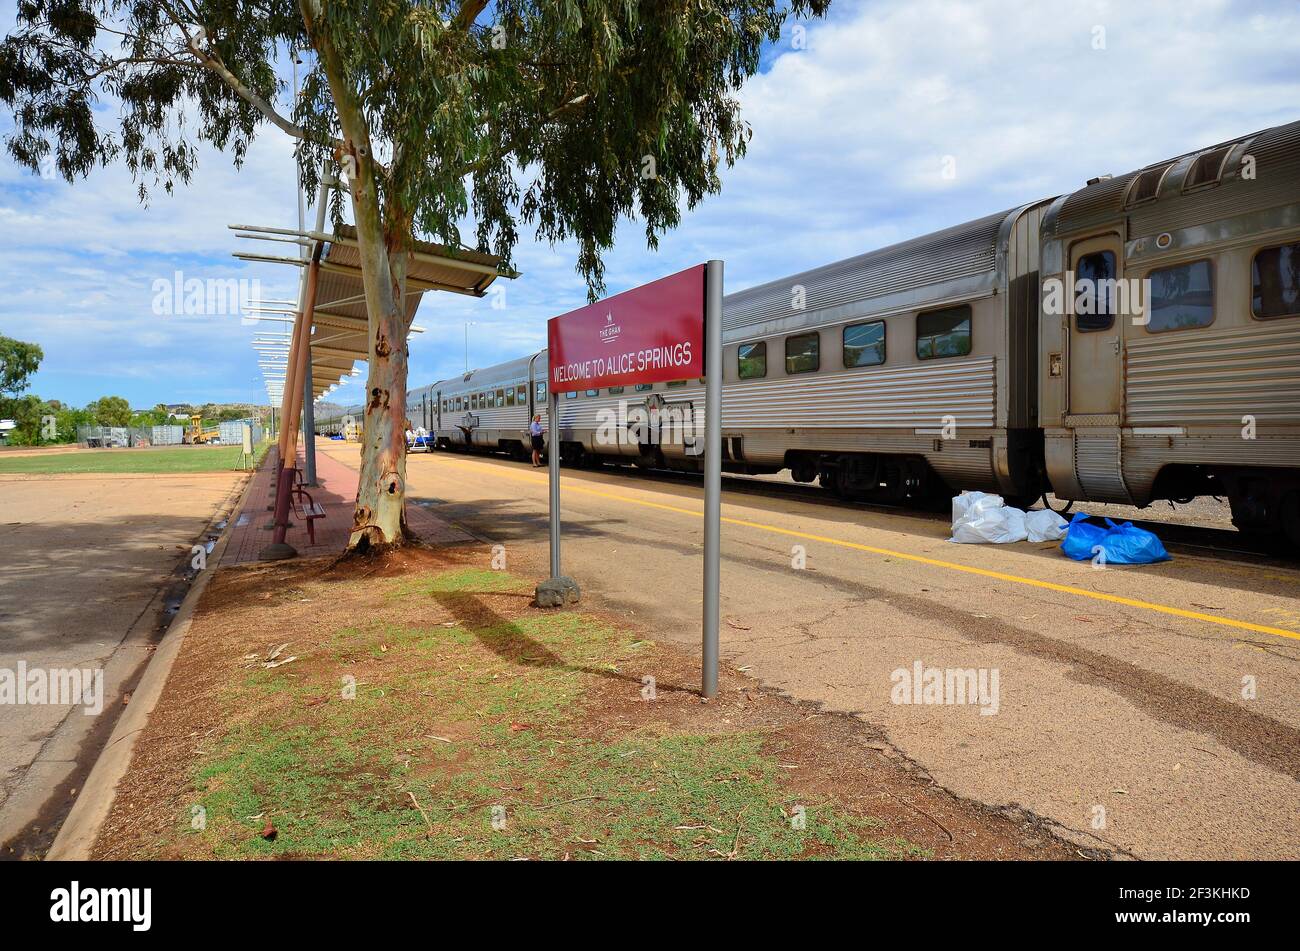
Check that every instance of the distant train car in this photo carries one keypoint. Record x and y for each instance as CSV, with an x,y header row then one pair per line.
x,y
485,409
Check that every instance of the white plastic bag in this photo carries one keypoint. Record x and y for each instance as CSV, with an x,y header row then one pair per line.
x,y
1044,525
970,503
982,517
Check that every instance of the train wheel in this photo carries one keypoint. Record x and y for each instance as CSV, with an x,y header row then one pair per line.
x,y
1061,511
829,479
803,473
1022,502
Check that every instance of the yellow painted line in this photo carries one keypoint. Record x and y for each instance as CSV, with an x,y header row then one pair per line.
x,y
922,560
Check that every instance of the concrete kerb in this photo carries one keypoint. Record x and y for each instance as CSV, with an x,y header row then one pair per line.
x,y
80,829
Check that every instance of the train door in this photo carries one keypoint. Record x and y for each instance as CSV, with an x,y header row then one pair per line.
x,y
437,409
536,389
1096,333
1094,367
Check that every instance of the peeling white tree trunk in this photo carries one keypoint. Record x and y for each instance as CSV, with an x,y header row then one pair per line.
x,y
380,514
384,242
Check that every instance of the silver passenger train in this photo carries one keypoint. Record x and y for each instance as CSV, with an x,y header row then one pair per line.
x,y
1135,340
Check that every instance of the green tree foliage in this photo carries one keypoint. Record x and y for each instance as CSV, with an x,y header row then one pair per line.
x,y
563,116
150,417
67,419
111,411
18,361
26,412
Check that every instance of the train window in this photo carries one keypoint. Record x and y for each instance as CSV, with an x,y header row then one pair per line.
x,y
521,394
943,333
1275,282
615,390
1146,185
677,382
541,391
571,395
1182,296
751,361
501,398
1095,291
803,353
864,344
510,396
644,387
1208,167
593,392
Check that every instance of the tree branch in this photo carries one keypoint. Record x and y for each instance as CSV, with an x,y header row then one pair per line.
x,y
215,64
468,13
556,113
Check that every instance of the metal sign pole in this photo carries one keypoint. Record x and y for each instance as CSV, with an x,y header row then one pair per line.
x,y
557,590
553,470
712,472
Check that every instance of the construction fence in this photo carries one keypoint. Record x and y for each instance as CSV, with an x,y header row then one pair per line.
x,y
104,437
232,433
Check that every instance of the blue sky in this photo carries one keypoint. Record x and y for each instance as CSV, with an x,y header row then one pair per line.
x,y
852,131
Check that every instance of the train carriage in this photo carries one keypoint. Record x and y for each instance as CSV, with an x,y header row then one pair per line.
x,y
1196,390
484,409
897,374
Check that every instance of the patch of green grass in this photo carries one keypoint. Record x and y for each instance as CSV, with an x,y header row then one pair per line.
x,y
464,581
176,459
461,742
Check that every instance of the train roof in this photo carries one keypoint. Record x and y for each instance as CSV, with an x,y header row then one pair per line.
x,y
509,372
1241,176
958,260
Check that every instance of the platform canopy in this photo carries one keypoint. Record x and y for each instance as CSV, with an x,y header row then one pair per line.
x,y
340,316
340,331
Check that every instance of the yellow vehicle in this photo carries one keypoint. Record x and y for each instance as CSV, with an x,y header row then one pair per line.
x,y
196,435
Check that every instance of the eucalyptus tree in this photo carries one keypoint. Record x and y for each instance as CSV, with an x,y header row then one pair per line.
x,y
18,361
559,116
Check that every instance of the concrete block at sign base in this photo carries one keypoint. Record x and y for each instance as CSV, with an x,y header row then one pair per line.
x,y
557,592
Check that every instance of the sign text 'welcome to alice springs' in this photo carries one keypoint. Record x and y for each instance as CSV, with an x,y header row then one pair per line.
x,y
650,334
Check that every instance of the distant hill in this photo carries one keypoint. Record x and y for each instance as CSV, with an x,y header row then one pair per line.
x,y
221,411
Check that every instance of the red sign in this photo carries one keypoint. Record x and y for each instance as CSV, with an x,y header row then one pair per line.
x,y
650,334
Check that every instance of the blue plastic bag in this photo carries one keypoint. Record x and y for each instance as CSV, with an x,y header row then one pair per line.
x,y
1120,544
1081,537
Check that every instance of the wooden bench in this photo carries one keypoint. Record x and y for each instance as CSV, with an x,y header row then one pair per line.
x,y
306,509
